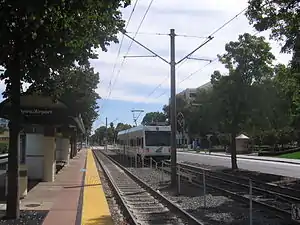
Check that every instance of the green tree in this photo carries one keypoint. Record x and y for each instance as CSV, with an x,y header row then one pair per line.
x,y
248,61
201,117
39,37
77,87
123,126
288,84
282,17
269,115
153,117
120,127
99,135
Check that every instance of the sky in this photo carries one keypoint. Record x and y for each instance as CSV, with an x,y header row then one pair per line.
x,y
143,83
137,80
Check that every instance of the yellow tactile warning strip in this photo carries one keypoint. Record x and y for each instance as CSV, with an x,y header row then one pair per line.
x,y
95,209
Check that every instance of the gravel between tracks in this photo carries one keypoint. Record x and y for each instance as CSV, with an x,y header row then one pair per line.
x,y
219,210
114,208
30,217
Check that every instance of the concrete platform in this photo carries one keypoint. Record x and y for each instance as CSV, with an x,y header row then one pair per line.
x,y
75,197
45,194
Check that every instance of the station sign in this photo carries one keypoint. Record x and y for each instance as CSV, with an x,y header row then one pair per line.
x,y
38,112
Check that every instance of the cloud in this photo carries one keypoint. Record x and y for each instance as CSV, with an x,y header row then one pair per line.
x,y
197,18
128,95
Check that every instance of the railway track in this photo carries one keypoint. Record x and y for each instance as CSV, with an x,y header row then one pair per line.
x,y
270,197
140,203
284,190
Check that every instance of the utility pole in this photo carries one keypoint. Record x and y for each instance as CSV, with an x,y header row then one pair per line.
x,y
173,121
173,110
106,133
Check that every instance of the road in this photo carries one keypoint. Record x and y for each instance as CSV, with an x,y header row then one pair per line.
x,y
277,168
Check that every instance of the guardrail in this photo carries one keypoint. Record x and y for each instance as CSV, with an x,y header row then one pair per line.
x,y
3,156
3,161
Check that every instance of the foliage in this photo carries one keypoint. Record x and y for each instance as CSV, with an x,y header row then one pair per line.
x,y
282,17
47,35
231,106
112,132
37,39
153,117
201,118
181,107
77,87
249,62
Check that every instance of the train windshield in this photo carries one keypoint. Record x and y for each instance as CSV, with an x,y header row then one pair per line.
x,y
157,138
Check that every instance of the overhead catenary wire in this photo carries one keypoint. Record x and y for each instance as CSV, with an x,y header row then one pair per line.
x,y
181,63
130,45
190,75
220,28
122,39
119,51
198,70
165,34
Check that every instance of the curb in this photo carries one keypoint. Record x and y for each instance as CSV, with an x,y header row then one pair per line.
x,y
227,156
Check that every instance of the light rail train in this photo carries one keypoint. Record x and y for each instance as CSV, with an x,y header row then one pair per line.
x,y
146,141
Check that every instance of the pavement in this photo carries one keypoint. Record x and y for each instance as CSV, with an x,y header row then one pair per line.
x,y
253,157
270,165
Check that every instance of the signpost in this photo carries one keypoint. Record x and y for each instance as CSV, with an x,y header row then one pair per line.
x,y
181,122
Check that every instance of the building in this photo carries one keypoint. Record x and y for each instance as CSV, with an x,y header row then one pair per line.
x,y
189,95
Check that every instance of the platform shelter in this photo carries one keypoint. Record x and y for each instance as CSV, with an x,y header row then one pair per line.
x,y
46,124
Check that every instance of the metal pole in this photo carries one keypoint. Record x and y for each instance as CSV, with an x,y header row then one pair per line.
x,y
178,179
150,162
183,134
250,198
135,160
162,171
204,190
106,133
173,111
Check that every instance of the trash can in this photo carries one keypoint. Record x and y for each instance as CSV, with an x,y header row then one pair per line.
x,y
23,181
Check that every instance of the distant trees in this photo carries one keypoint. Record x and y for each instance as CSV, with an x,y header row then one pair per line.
x,y
153,117
234,103
112,132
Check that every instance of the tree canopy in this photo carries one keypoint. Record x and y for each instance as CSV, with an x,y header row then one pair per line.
x,y
112,132
281,17
46,35
152,117
77,87
40,38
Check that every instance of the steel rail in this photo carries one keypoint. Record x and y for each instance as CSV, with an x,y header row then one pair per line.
x,y
169,204
281,213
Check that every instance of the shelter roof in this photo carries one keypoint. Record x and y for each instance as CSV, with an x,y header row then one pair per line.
x,y
43,110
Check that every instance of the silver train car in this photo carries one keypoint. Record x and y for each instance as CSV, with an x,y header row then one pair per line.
x,y
145,142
